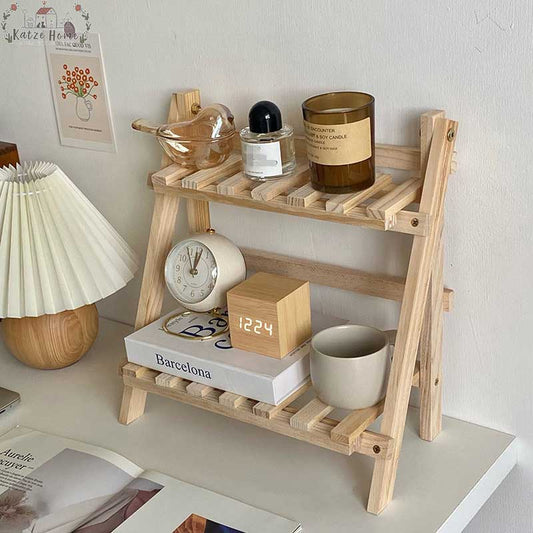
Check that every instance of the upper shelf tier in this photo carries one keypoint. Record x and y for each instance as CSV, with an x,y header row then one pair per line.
x,y
380,207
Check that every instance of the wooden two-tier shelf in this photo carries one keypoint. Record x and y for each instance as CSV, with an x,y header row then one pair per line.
x,y
414,205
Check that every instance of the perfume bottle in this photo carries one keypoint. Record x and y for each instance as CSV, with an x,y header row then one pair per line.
x,y
267,145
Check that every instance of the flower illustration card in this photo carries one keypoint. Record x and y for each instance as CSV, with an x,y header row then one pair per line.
x,y
79,91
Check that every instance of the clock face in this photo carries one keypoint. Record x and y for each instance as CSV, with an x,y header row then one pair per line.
x,y
191,272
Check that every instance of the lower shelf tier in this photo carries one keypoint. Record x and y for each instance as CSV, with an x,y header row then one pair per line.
x,y
308,423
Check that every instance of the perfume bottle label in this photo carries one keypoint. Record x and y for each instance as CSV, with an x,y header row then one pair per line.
x,y
262,160
338,144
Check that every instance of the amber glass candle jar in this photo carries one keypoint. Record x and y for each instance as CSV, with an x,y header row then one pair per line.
x,y
339,137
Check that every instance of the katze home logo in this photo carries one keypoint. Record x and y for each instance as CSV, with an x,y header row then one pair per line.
x,y
24,24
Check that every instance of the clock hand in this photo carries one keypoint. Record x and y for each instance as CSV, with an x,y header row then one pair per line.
x,y
197,258
190,260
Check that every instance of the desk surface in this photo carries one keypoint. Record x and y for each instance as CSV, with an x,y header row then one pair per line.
x,y
440,485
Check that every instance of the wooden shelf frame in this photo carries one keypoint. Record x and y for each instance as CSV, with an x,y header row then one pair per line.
x,y
387,206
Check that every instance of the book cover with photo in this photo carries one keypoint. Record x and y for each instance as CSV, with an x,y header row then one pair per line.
x,y
50,484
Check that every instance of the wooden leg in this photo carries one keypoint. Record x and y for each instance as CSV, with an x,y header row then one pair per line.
x,y
198,215
412,313
430,348
133,402
153,284
430,351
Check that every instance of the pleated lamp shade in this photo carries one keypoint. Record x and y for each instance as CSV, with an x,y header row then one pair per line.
x,y
57,251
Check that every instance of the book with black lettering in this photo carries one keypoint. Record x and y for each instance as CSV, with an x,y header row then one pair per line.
x,y
215,362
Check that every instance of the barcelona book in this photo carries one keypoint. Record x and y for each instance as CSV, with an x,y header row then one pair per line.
x,y
174,346
49,484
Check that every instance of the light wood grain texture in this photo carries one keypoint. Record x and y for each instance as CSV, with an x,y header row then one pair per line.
x,y
166,380
233,185
383,286
267,410
159,244
303,196
430,348
427,124
318,435
134,370
386,213
310,414
411,314
386,207
342,203
201,178
52,341
355,423
410,222
198,389
133,404
269,314
197,209
169,175
230,399
270,189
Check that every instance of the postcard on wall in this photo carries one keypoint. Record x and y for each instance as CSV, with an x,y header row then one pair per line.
x,y
79,91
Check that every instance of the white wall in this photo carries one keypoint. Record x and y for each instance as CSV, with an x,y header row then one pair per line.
x,y
472,59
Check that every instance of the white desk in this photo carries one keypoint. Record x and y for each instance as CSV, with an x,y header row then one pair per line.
x,y
440,485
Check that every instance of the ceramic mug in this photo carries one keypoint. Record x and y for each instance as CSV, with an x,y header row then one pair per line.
x,y
350,365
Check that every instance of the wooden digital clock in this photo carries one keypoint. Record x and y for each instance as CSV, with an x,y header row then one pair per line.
x,y
269,314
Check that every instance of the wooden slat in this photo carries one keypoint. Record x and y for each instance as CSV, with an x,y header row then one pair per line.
x,y
201,178
374,444
267,410
383,286
350,427
166,380
171,174
270,189
310,414
319,435
397,157
233,185
303,196
342,203
198,389
408,222
279,424
230,399
412,312
386,207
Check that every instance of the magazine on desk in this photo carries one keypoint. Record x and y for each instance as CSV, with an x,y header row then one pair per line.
x,y
50,484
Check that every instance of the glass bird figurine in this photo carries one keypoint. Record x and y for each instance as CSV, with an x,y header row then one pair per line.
x,y
202,142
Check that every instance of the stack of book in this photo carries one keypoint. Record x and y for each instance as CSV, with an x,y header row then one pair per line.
x,y
216,363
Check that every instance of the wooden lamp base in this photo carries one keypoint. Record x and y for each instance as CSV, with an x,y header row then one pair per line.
x,y
52,341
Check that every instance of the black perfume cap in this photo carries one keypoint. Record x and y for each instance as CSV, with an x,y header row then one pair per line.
x,y
264,117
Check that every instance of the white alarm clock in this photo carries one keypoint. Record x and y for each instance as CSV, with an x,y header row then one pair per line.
x,y
201,269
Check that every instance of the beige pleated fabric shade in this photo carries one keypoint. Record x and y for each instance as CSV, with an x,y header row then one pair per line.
x,y
57,251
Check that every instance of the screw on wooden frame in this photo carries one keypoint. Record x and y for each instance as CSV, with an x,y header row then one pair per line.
x,y
376,449
195,108
414,222
451,135
436,381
